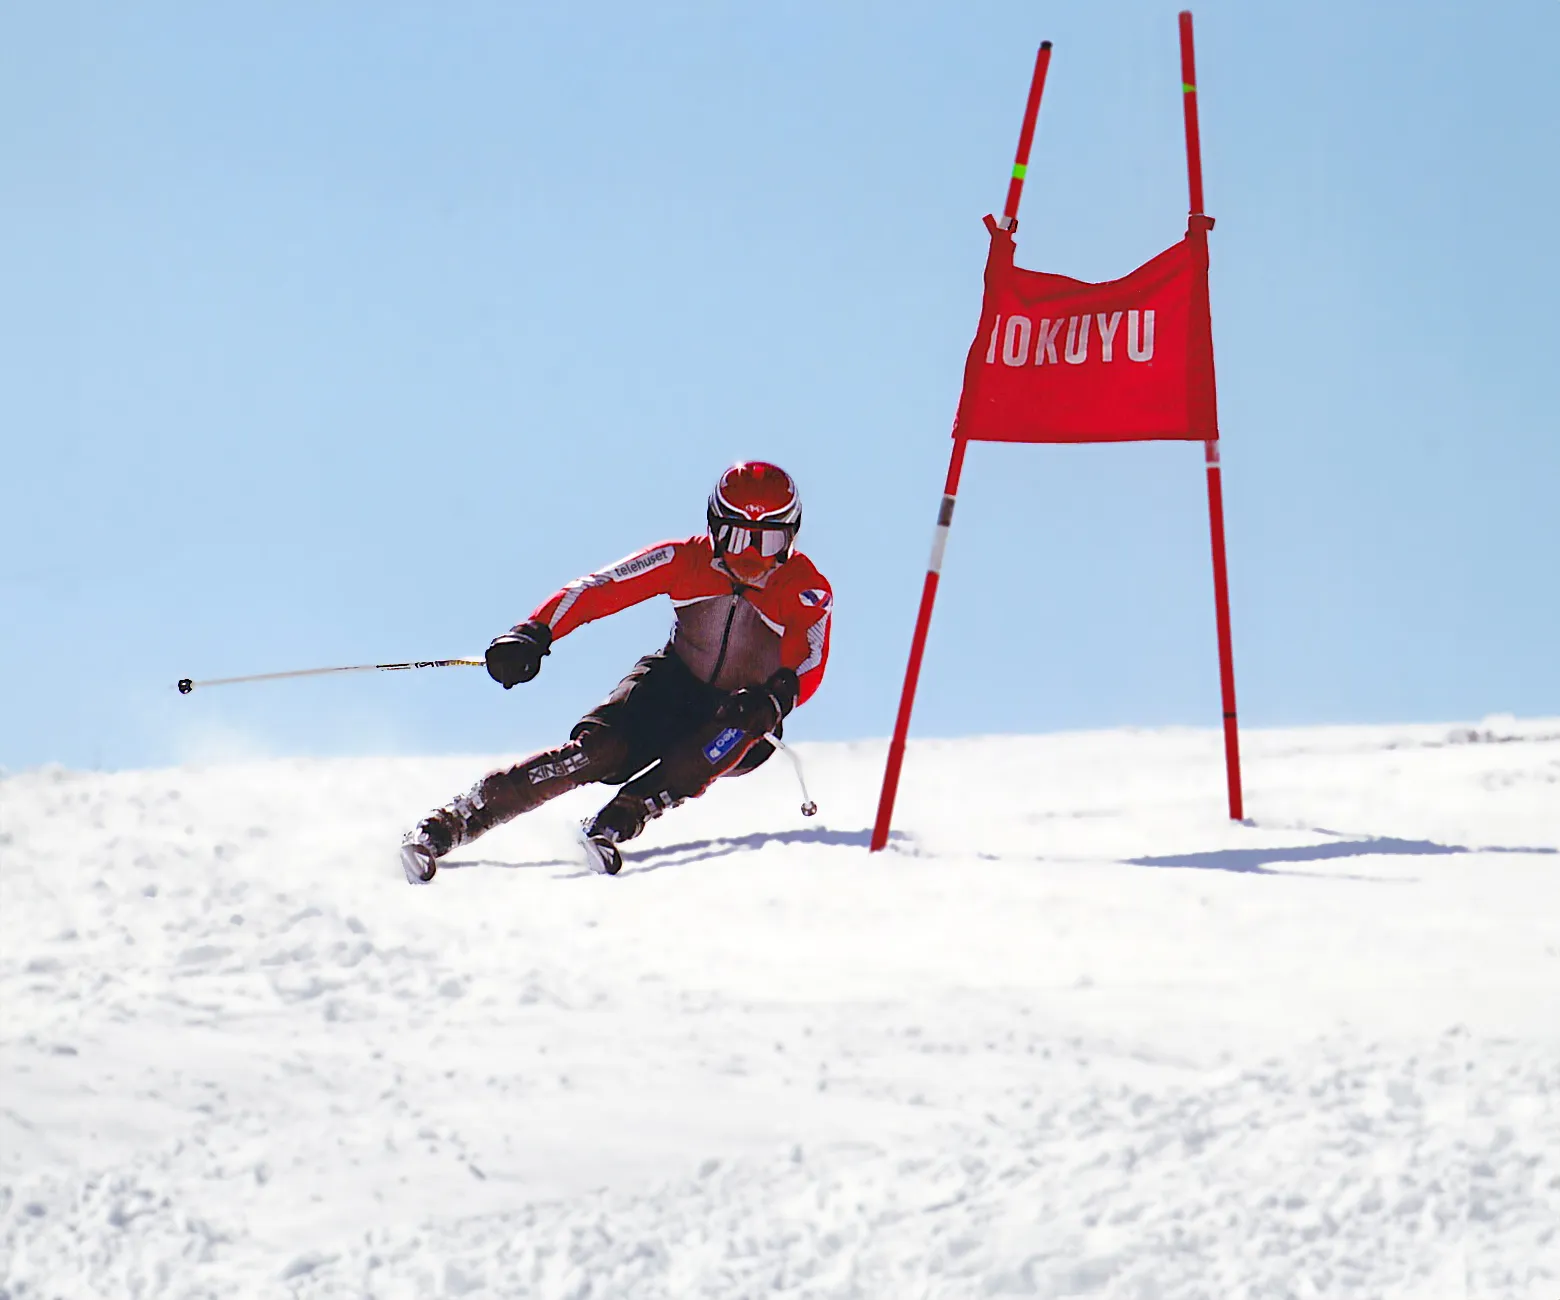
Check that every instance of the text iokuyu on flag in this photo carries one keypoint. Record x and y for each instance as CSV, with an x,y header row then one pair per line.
x,y
1061,360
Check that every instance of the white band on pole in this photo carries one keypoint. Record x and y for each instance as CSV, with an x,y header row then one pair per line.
x,y
940,533
939,544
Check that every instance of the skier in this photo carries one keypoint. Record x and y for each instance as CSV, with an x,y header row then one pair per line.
x,y
749,643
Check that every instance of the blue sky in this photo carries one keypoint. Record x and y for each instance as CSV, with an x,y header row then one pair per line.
x,y
345,333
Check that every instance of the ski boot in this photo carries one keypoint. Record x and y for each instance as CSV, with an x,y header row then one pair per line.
x,y
621,820
601,850
422,848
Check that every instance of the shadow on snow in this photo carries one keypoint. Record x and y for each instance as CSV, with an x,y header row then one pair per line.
x,y
638,861
1254,861
460,864
672,855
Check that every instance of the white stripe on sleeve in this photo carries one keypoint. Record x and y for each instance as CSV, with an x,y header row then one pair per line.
x,y
815,636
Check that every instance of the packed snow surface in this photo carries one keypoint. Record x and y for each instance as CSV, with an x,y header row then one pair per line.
x,y
1075,1034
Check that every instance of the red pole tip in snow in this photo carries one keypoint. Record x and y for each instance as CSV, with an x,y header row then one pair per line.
x,y
1189,107
1026,136
1221,597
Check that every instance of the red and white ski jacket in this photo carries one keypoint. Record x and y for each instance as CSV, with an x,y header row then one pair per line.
x,y
728,634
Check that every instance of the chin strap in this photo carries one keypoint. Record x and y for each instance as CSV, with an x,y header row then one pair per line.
x,y
768,573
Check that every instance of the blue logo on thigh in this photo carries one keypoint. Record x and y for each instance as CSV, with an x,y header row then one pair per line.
x,y
723,744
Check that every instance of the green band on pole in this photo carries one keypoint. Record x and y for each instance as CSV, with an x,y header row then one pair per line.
x,y
1188,90
1018,171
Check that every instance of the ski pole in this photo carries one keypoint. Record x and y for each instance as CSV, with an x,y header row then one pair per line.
x,y
809,808
186,685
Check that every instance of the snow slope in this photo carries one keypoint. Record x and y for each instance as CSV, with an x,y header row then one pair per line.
x,y
1075,1035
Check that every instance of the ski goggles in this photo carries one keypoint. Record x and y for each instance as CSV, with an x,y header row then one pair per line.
x,y
733,536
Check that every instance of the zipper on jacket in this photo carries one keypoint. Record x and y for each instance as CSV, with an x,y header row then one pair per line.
x,y
725,637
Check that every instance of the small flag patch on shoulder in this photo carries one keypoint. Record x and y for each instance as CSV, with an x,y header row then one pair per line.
x,y
815,596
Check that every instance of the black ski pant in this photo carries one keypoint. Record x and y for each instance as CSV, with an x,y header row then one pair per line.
x,y
657,735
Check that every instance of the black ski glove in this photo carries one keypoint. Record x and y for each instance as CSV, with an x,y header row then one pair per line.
x,y
516,656
783,687
758,709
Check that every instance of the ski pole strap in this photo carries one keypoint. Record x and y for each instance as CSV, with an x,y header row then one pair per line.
x,y
186,684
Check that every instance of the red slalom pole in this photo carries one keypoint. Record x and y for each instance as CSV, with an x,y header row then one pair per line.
x,y
1189,111
1221,600
923,621
923,618
1026,136
1221,586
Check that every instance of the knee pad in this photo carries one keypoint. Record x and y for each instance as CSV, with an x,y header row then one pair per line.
x,y
605,751
593,755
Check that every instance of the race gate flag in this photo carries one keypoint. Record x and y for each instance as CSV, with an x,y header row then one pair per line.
x,y
1059,360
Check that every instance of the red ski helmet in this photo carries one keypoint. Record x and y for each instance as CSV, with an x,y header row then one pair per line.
x,y
754,514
